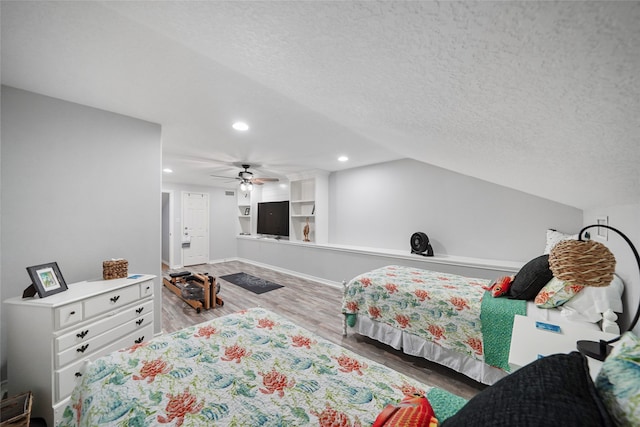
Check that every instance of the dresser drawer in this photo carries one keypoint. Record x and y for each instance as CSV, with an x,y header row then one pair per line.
x,y
146,288
115,333
110,301
87,332
68,315
67,377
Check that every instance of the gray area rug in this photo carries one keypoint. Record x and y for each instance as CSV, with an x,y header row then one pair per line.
x,y
251,283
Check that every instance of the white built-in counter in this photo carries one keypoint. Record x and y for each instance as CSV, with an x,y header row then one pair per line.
x,y
332,263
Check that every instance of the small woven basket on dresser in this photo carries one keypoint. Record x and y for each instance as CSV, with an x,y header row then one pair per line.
x,y
115,269
16,411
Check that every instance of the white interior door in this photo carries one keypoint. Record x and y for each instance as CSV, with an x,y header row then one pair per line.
x,y
195,228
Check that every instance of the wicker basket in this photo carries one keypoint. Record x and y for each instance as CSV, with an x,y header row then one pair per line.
x,y
582,262
115,269
16,411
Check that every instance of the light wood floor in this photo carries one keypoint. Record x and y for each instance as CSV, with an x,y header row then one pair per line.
x,y
314,306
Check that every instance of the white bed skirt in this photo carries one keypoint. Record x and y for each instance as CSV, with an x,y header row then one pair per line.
x,y
416,346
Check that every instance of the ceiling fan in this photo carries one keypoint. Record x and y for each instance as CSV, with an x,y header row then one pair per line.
x,y
247,180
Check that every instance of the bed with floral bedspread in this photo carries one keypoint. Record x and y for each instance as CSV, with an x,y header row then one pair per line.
x,y
448,312
252,368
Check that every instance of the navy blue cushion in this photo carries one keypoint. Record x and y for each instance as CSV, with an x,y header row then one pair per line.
x,y
553,391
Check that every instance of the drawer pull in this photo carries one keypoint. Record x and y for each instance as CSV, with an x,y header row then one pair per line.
x,y
139,322
139,340
78,374
82,334
83,348
115,299
72,313
139,310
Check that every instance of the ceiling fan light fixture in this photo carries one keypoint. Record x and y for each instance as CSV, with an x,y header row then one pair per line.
x,y
241,126
246,185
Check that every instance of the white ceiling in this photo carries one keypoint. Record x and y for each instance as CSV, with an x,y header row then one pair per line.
x,y
541,97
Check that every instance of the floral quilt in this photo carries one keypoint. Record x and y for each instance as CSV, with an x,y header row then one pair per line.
x,y
441,308
252,368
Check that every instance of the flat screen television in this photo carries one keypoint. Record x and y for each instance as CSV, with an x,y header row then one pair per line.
x,y
273,218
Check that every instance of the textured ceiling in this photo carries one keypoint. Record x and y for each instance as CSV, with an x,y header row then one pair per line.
x,y
542,97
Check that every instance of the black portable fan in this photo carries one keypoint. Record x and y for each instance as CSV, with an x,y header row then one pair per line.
x,y
420,244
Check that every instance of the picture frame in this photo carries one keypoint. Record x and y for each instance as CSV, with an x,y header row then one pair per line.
x,y
47,279
247,210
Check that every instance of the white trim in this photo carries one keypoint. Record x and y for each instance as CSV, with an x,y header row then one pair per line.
x,y
169,262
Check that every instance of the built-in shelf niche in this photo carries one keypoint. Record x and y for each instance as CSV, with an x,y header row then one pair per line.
x,y
308,202
244,212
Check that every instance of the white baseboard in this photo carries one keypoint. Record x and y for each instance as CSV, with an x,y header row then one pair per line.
x,y
218,261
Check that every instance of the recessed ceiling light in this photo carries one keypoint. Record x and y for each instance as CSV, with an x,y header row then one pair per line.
x,y
167,170
343,158
242,126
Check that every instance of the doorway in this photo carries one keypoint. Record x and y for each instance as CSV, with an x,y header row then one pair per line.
x,y
195,228
167,230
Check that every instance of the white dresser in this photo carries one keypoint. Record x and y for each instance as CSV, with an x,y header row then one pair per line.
x,y
50,338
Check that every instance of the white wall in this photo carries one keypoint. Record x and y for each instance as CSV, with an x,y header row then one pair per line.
x,y
382,205
376,207
79,186
271,192
625,218
223,217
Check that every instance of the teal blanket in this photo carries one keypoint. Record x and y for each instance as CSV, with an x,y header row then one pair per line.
x,y
444,404
497,322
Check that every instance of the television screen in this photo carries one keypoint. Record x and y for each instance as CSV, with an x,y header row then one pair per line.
x,y
273,218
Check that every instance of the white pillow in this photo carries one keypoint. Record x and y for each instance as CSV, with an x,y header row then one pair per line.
x,y
589,304
554,237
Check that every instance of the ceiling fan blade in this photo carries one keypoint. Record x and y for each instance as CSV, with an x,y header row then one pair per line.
x,y
225,177
261,181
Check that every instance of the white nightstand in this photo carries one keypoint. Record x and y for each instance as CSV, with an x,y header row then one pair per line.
x,y
529,342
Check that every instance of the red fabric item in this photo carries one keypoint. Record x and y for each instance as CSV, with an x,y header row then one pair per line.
x,y
413,411
500,286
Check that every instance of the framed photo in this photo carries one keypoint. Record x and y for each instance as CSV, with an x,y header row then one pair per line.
x,y
47,279
247,210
